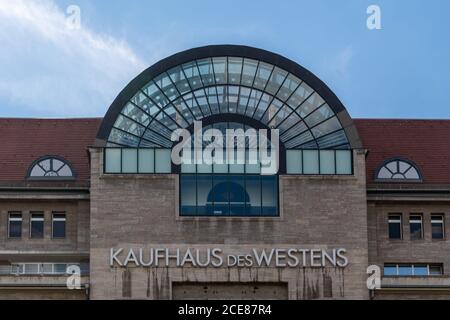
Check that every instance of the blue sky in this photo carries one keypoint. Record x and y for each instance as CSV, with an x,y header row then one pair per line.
x,y
401,71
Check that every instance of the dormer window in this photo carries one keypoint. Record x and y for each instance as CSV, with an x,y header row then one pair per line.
x,y
398,170
50,167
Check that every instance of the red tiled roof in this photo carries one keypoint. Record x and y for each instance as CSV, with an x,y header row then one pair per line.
x,y
425,142
26,140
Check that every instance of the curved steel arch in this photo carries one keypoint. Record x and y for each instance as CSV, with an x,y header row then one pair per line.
x,y
215,51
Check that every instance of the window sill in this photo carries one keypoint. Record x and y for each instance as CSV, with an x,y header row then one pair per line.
x,y
221,219
319,177
140,176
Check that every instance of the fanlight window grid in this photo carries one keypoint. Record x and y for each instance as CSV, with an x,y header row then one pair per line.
x,y
51,167
228,85
398,170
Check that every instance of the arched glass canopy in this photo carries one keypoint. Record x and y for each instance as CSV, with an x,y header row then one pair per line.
x,y
234,81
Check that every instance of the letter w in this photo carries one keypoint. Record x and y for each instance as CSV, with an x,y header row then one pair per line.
x,y
263,257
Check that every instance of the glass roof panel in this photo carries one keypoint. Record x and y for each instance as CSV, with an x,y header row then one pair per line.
x,y
263,75
228,85
220,70
235,70
288,88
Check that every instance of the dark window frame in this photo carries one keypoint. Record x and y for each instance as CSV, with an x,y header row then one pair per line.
x,y
32,219
442,225
422,233
10,217
392,216
54,219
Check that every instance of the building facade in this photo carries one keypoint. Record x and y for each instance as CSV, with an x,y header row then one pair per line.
x,y
99,208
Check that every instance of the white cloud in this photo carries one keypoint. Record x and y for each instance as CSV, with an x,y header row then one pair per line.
x,y
52,70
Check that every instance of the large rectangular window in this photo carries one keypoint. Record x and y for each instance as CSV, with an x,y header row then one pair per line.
x,y
59,225
37,225
413,270
395,226
228,195
437,226
137,161
415,226
323,162
15,225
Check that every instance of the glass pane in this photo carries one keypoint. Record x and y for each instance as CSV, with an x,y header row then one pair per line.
x,y
219,195
220,70
405,270
129,126
262,75
193,75
234,70
253,165
311,104
288,87
188,195
253,188
249,71
384,173
59,229
327,127
129,160
276,80
320,115
31,268
415,228
333,140
60,268
435,270
166,85
206,71
269,195
300,95
205,207
239,199
65,171
437,231
146,161
420,270
412,174
177,76
311,161
300,141
123,138
163,162
271,111
262,106
47,268
344,162
327,163
294,162
233,96
15,229
395,230
113,161
390,270
37,226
